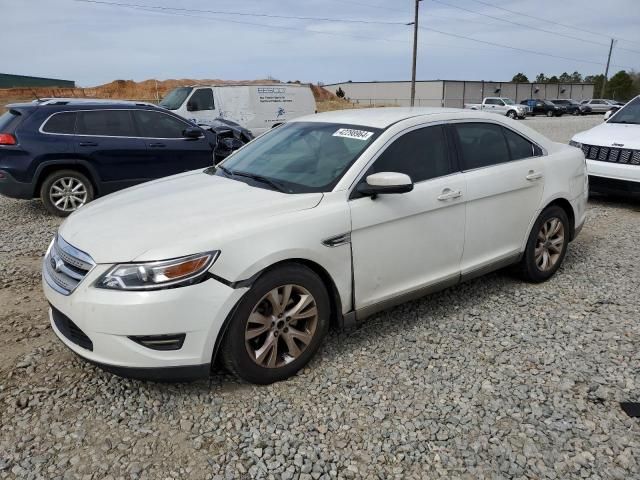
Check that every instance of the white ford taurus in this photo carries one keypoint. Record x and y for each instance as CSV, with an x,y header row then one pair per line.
x,y
326,219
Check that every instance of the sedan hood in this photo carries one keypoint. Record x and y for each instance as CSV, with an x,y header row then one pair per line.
x,y
612,135
175,216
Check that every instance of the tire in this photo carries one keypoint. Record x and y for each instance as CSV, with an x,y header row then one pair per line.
x,y
512,114
69,189
532,267
549,114
576,113
248,347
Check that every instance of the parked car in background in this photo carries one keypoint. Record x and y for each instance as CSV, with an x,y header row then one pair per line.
x,y
313,223
612,150
68,151
255,107
599,105
500,105
571,106
229,136
544,107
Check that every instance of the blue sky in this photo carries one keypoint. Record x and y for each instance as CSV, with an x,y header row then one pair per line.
x,y
95,43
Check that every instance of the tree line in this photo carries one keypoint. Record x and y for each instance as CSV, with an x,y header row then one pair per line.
x,y
622,86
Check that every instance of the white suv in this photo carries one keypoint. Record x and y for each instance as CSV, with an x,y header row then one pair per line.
x,y
326,219
612,150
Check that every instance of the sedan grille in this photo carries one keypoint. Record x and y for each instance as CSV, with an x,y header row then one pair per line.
x,y
613,155
65,266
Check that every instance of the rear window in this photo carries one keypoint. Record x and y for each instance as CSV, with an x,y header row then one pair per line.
x,y
110,123
61,123
6,119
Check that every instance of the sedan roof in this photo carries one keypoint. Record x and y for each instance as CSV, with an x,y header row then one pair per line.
x,y
386,116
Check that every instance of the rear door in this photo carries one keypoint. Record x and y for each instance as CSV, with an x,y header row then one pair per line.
x,y
168,151
504,175
108,140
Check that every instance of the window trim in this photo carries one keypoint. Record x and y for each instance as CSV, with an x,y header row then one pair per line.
x,y
543,150
187,124
453,156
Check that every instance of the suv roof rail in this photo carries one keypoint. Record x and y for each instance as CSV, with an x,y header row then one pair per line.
x,y
80,101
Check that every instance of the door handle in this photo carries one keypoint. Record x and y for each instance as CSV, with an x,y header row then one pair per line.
x,y
533,176
88,144
448,194
157,145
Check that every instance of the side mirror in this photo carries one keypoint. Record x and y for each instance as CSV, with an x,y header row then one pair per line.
x,y
192,133
191,106
385,183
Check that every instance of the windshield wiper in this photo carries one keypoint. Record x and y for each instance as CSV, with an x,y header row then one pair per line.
x,y
258,178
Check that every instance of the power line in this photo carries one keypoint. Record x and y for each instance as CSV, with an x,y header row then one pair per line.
x,y
520,24
565,25
534,52
219,12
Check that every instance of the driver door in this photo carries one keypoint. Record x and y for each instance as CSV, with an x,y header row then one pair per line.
x,y
404,242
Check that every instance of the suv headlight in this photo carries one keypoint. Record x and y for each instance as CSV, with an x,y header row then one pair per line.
x,y
176,272
573,143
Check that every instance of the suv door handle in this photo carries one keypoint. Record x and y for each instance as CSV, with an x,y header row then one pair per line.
x,y
157,145
448,194
533,176
88,144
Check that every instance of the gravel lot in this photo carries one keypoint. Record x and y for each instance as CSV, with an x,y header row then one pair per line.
x,y
490,379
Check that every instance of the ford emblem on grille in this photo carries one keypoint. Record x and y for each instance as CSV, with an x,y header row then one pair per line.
x,y
617,144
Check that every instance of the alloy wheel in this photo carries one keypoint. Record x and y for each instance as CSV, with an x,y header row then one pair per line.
x,y
68,194
549,244
281,326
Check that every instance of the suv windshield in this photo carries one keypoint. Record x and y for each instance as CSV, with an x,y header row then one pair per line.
x,y
300,157
630,113
175,98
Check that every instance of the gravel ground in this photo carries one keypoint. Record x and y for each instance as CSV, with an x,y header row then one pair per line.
x,y
490,379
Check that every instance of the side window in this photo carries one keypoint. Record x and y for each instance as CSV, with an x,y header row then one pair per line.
x,y
61,123
518,146
491,101
482,145
158,125
202,100
422,154
110,123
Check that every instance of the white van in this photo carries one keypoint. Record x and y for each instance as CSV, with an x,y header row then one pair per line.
x,y
255,107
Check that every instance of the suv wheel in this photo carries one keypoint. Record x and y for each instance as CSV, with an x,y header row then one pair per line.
x,y
546,246
278,325
64,191
549,113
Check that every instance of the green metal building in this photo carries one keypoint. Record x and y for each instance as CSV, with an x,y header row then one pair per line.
x,y
22,81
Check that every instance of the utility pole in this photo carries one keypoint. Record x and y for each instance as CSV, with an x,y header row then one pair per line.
x,y
606,72
415,53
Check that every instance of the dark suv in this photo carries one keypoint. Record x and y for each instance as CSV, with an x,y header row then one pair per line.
x,y
68,152
544,107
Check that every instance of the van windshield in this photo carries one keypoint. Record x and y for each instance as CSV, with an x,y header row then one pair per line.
x,y
299,157
175,98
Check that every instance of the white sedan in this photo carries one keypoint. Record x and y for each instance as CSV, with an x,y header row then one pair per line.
x,y
324,220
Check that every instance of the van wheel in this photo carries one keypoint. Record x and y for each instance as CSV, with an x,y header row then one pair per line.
x,y
546,246
64,191
278,325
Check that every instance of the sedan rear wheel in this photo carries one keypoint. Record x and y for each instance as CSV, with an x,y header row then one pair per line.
x,y
546,246
277,326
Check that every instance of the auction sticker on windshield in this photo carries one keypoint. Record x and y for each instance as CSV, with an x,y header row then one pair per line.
x,y
352,133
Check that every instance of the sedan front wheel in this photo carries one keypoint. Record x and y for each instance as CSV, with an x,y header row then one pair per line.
x,y
278,325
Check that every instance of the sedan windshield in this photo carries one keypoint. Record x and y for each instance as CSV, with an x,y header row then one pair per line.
x,y
175,98
300,157
630,113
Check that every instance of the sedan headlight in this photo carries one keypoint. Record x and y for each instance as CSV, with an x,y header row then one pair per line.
x,y
176,272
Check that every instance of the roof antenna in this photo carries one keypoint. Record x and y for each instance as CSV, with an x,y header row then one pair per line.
x,y
36,95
